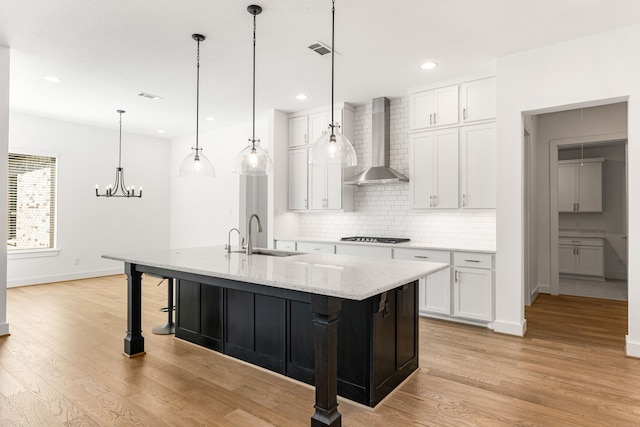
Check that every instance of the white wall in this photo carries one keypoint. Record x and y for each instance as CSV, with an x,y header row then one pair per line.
x,y
90,226
384,210
204,210
4,143
567,75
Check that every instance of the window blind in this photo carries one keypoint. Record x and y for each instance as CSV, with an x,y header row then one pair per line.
x,y
31,202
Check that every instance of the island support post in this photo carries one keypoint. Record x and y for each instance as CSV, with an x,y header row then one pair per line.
x,y
325,311
134,341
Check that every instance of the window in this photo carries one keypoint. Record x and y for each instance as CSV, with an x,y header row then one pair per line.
x,y
31,202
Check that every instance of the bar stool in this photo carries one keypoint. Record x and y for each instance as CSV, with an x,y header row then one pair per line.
x,y
169,327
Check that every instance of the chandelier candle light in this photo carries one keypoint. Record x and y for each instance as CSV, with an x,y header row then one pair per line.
x,y
196,163
253,160
333,147
119,188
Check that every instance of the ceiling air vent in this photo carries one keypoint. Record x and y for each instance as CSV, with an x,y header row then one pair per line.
x,y
320,48
149,96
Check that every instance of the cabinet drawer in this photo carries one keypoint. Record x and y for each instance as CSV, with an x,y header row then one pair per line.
x,y
573,241
326,248
422,255
358,250
285,245
473,260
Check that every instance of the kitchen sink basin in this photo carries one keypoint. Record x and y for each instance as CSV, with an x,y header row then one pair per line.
x,y
270,252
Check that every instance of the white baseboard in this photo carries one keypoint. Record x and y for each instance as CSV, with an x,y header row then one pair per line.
x,y
633,348
4,329
517,329
63,277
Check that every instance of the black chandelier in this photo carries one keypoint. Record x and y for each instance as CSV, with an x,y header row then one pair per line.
x,y
119,188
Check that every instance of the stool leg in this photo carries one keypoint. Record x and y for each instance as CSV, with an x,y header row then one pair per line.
x,y
169,327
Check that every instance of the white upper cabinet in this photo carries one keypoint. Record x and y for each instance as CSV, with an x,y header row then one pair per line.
x,y
438,107
434,169
313,187
298,179
478,100
580,185
298,135
478,165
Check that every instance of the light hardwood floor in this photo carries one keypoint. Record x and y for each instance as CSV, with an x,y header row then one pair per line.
x,y
62,366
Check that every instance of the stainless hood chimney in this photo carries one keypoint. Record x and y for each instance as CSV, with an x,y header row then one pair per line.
x,y
379,172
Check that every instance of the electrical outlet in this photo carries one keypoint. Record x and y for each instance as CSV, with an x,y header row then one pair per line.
x,y
77,261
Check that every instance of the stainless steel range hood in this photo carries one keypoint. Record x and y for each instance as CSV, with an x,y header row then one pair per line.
x,y
379,172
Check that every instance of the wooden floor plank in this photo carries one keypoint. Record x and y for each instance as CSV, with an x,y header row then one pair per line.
x,y
62,365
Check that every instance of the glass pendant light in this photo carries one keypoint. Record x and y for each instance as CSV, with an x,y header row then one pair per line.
x,y
333,147
196,163
253,160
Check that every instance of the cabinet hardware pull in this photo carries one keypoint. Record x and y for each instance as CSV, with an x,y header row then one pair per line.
x,y
455,276
472,260
578,207
306,138
435,120
421,256
464,200
464,113
430,119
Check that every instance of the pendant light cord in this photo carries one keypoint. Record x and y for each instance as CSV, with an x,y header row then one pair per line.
x,y
253,137
197,97
120,142
333,31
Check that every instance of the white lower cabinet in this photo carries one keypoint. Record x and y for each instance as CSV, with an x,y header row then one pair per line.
x,y
364,250
285,245
473,286
581,256
325,248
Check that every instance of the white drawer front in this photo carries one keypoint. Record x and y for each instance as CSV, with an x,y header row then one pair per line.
x,y
285,245
422,255
573,241
473,260
360,250
325,248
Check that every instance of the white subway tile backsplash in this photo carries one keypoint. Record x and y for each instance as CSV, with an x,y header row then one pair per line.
x,y
384,210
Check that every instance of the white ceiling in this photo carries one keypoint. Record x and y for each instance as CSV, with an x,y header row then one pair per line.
x,y
106,51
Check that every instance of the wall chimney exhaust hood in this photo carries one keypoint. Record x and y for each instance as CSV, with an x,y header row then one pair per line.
x,y
379,172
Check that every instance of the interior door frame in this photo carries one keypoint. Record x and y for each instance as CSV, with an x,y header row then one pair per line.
x,y
554,216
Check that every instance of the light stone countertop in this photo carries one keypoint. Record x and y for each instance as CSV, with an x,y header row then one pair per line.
x,y
349,277
409,245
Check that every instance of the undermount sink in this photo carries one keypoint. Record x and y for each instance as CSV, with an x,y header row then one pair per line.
x,y
270,252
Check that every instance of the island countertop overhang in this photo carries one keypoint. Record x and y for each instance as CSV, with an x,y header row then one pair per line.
x,y
341,276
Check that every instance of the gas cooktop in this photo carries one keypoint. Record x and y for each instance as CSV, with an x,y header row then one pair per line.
x,y
375,239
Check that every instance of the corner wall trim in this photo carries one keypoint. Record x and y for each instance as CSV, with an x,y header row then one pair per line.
x,y
517,329
632,348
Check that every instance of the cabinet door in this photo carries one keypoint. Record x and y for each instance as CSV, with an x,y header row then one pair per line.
x,y
589,188
364,250
445,106
423,163
318,125
311,247
590,261
334,187
317,187
298,135
421,110
478,100
446,185
298,180
478,166
567,259
473,293
566,187
435,297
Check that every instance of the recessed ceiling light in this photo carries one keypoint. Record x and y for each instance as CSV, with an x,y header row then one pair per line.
x,y
429,65
301,97
162,131
211,119
52,79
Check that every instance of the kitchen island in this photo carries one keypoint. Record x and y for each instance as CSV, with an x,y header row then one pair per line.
x,y
279,310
